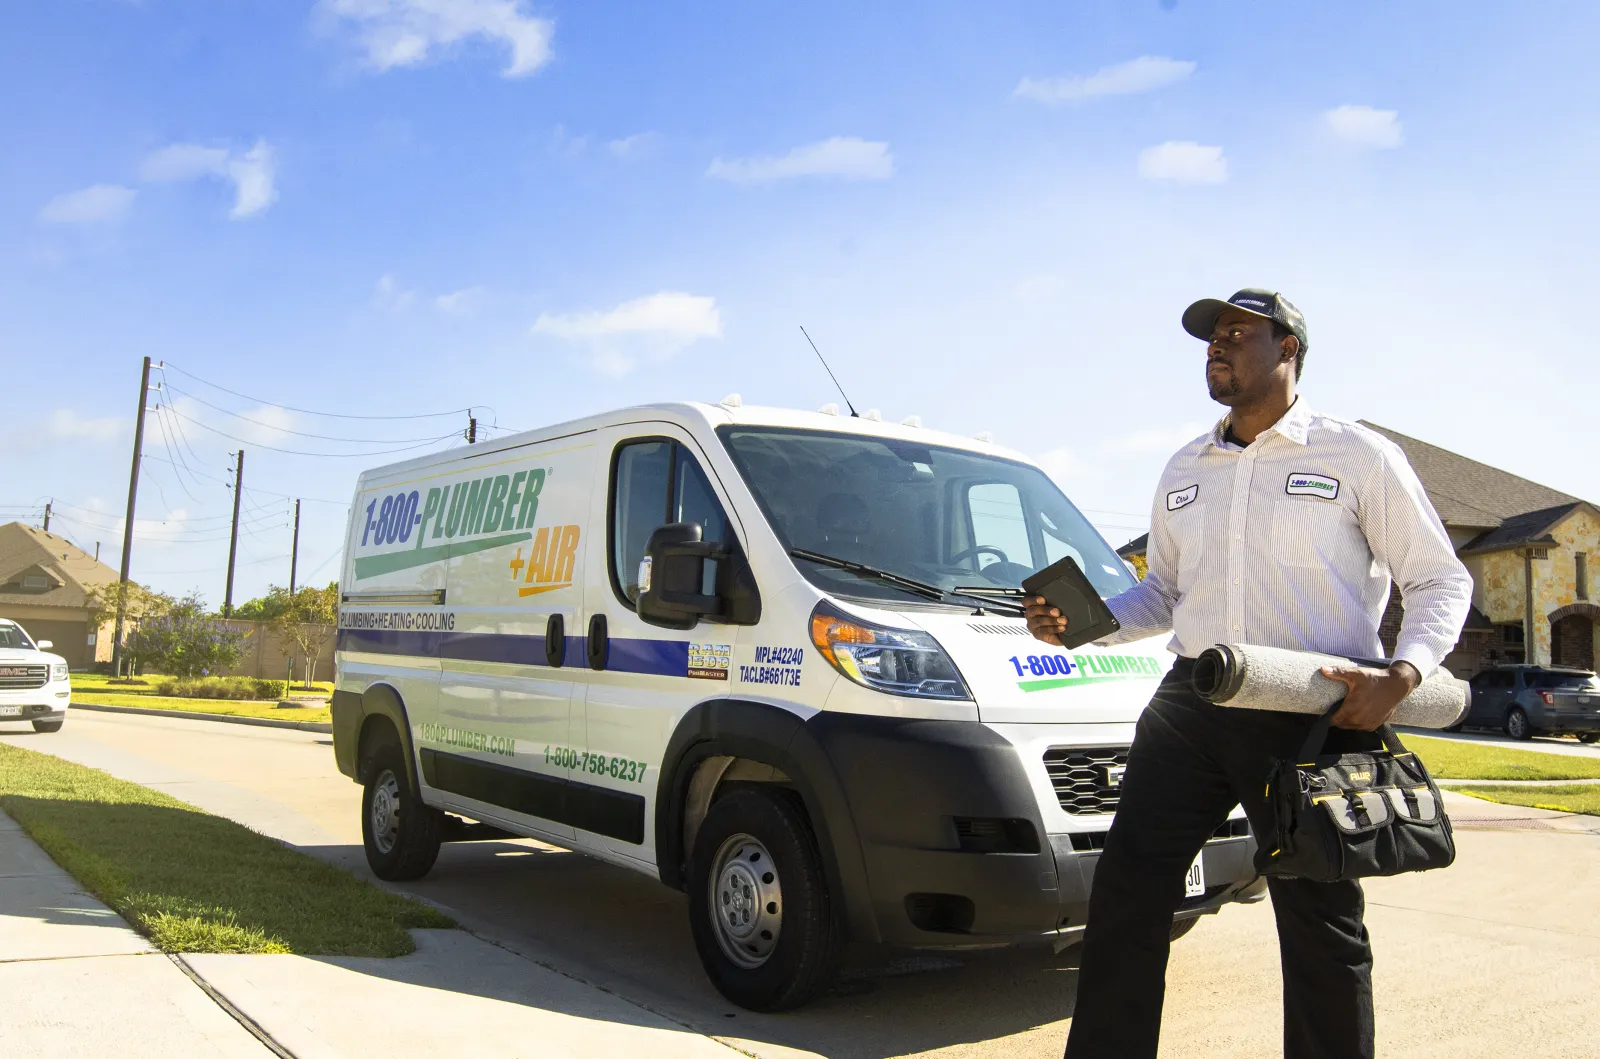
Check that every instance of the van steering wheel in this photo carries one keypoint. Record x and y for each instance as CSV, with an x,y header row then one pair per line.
x,y
979,550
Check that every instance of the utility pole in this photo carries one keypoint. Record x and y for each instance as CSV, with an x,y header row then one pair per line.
x,y
47,516
294,551
472,430
233,538
127,522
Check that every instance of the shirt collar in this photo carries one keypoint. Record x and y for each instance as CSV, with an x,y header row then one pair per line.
x,y
1294,426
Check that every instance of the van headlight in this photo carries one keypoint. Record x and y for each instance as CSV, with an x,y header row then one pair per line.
x,y
895,661
58,672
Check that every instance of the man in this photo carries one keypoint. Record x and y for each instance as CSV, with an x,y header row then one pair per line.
x,y
1282,527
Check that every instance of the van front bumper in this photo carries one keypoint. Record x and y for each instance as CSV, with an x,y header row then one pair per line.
x,y
916,790
952,899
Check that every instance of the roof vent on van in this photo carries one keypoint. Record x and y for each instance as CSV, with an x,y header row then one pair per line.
x,y
984,436
830,409
874,415
911,421
733,400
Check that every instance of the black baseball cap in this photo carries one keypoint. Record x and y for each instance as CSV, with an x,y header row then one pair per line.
x,y
1200,318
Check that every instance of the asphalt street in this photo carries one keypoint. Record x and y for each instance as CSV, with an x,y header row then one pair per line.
x,y
1498,955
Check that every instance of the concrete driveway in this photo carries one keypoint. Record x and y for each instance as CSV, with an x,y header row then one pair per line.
x,y
1497,956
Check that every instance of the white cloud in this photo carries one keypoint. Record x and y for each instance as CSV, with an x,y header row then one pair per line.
x,y
845,157
1036,289
1183,161
389,294
250,173
636,146
93,204
1365,126
459,301
70,426
406,32
655,326
1144,74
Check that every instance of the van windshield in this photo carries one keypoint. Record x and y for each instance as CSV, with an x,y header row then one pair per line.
x,y
945,517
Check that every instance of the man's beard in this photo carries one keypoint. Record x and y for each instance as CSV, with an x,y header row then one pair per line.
x,y
1224,387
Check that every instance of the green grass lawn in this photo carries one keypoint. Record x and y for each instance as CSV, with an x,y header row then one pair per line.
x,y
1579,798
1449,759
95,688
193,882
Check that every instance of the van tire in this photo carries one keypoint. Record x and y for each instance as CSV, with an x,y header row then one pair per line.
x,y
742,831
400,833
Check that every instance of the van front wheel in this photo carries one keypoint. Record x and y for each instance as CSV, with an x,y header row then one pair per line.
x,y
401,835
759,906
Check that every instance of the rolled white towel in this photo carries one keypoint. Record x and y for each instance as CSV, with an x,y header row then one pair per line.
x,y
1272,678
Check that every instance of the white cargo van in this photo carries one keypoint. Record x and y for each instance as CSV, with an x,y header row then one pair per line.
x,y
771,658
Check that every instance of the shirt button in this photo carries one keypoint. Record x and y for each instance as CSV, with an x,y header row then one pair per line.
x,y
1236,628
1236,580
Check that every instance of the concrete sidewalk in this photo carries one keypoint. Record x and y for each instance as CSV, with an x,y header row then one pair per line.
x,y
78,981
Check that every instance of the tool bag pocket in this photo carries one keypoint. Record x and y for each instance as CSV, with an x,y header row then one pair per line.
x,y
1350,816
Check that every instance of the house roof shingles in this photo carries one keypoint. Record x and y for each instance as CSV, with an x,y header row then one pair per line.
x,y
1469,494
24,547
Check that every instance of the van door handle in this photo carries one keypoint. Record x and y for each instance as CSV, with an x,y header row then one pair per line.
x,y
555,641
598,643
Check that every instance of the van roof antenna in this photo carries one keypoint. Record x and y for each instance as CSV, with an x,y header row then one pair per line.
x,y
831,375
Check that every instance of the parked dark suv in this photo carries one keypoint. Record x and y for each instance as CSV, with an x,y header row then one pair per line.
x,y
1525,701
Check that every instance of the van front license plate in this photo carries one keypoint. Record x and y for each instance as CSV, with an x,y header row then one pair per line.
x,y
1194,883
10,711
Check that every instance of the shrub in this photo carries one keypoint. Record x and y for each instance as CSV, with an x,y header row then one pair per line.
x,y
220,687
185,641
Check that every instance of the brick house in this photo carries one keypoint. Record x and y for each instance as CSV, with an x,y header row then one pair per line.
x,y
44,581
1528,548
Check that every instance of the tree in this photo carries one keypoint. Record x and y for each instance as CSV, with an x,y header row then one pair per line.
x,y
264,608
185,641
308,621
137,601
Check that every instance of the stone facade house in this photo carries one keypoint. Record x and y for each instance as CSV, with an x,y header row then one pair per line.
x,y
44,580
1529,549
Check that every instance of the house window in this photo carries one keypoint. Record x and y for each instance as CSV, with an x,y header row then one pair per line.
x,y
1581,560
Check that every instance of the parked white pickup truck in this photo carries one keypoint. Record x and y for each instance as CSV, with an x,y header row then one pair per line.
x,y
33,683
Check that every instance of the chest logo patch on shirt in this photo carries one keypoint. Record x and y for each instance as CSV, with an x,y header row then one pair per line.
x,y
1312,485
1182,497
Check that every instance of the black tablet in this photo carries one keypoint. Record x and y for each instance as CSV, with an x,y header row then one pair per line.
x,y
1064,587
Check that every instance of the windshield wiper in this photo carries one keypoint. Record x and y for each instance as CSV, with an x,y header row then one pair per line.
x,y
992,596
909,584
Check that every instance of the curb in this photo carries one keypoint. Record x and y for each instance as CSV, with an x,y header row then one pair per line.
x,y
324,727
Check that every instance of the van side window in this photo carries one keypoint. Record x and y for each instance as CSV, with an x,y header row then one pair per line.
x,y
655,482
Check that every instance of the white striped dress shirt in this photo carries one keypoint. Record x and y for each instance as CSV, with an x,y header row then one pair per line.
x,y
1291,542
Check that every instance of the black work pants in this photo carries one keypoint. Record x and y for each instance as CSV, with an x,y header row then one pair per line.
x,y
1191,762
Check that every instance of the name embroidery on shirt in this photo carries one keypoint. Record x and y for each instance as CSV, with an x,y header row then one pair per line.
x,y
1182,497
1312,485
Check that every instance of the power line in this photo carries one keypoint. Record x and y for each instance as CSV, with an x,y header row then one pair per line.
x,y
306,411
299,452
285,430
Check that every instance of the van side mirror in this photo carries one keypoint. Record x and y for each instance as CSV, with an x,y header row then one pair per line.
x,y
671,575
44,645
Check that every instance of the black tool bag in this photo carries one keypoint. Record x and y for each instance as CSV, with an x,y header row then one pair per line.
x,y
1347,816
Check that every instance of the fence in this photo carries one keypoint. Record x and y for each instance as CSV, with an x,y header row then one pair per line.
x,y
265,655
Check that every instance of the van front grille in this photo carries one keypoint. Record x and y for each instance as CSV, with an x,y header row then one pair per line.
x,y
17,678
1087,780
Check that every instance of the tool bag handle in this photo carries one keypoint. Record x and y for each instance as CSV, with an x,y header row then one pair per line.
x,y
1317,737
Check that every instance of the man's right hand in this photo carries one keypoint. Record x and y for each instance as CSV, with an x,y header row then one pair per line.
x,y
1044,621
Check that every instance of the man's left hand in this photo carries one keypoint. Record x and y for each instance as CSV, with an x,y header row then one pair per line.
x,y
1373,694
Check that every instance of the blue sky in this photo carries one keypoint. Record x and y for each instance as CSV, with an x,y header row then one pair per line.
x,y
989,215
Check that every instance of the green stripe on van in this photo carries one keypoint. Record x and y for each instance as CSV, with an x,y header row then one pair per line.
x,y
373,565
1072,682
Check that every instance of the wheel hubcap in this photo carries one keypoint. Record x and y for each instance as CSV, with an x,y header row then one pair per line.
x,y
385,812
746,901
